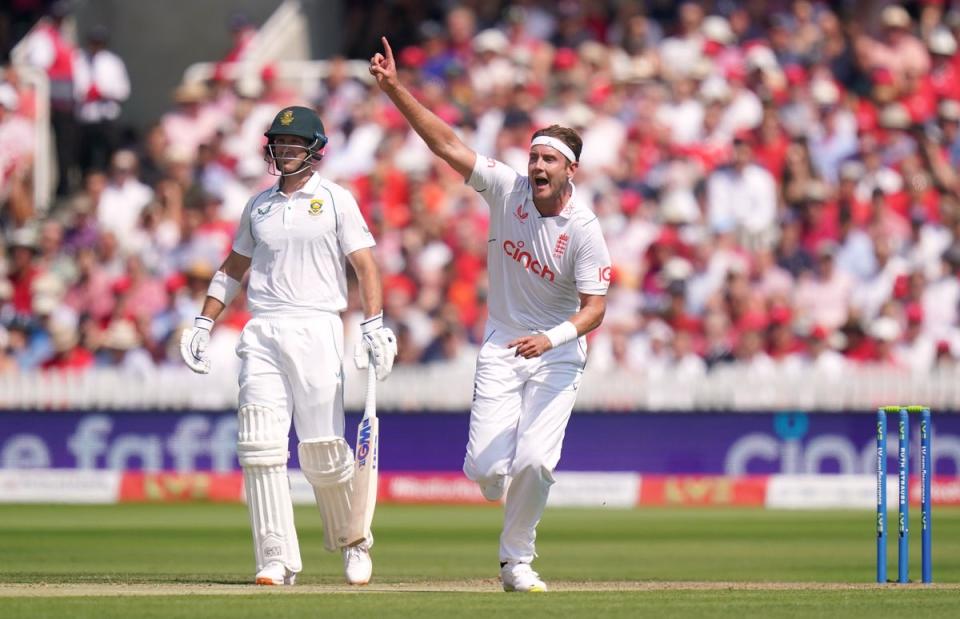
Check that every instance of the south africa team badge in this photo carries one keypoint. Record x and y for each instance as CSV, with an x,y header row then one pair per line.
x,y
316,205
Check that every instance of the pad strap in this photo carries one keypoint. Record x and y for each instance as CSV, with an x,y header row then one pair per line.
x,y
261,438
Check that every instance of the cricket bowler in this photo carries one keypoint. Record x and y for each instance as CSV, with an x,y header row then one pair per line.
x,y
549,270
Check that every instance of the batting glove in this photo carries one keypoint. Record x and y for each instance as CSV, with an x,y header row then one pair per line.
x,y
380,343
193,345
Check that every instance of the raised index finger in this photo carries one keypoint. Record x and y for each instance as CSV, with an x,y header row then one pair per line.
x,y
387,48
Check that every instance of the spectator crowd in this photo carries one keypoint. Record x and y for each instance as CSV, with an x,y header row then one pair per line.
x,y
777,183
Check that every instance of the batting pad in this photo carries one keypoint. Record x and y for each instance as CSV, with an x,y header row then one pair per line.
x,y
327,463
262,451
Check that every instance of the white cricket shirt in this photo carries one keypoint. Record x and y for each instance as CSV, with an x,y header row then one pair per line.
x,y
298,247
537,265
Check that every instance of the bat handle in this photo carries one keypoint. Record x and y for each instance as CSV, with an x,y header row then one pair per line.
x,y
370,408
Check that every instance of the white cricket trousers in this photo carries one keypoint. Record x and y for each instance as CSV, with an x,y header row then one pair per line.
x,y
294,366
519,415
290,371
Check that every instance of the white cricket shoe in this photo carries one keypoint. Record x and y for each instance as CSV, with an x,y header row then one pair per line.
x,y
275,573
357,564
521,577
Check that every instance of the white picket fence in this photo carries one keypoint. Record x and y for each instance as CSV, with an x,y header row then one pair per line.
x,y
446,387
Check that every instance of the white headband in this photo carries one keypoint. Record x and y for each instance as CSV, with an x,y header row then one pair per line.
x,y
546,140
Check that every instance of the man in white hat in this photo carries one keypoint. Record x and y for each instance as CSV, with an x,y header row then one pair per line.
x,y
898,49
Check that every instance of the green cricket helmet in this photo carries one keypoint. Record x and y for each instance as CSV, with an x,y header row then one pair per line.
x,y
301,122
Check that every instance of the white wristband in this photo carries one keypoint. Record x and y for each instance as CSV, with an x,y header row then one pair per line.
x,y
372,324
564,332
223,288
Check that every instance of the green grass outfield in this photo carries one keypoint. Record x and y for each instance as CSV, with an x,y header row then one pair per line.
x,y
195,560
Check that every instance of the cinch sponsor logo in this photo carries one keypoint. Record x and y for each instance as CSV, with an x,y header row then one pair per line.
x,y
792,449
363,444
526,260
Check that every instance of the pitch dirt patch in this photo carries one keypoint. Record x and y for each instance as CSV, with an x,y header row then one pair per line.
x,y
466,586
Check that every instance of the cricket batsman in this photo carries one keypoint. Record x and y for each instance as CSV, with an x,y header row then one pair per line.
x,y
549,270
294,238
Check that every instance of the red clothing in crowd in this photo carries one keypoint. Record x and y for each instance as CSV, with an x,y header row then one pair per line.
x,y
22,298
76,358
945,82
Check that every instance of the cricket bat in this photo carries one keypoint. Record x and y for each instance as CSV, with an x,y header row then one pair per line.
x,y
365,467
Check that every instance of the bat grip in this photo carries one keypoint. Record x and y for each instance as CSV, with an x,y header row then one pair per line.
x,y
370,407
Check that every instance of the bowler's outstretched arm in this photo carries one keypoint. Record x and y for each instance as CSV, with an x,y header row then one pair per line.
x,y
438,135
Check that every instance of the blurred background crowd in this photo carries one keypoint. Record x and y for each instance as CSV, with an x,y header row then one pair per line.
x,y
777,181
